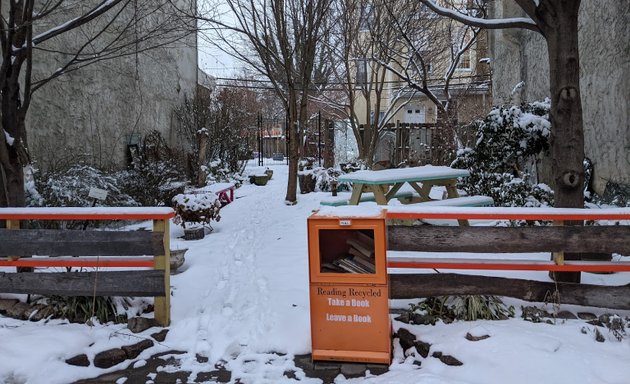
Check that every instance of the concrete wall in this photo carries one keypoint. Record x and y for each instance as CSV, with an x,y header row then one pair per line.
x,y
604,38
89,114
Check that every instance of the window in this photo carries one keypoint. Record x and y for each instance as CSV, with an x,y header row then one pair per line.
x,y
361,72
464,60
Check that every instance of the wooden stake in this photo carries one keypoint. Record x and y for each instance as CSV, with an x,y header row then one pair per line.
x,y
162,304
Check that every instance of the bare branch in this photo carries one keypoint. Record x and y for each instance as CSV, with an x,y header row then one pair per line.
x,y
515,22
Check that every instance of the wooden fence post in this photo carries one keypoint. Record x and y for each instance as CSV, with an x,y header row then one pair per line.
x,y
162,305
13,224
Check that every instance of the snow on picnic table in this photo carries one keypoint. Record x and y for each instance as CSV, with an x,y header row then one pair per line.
x,y
425,172
242,295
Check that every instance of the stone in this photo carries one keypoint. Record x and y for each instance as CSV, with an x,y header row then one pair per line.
x,y
6,304
405,338
377,369
567,315
79,360
476,338
403,318
109,358
201,359
139,324
586,316
41,312
160,336
353,369
447,359
134,350
20,311
422,347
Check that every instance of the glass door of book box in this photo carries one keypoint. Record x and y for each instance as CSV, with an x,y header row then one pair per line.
x,y
353,252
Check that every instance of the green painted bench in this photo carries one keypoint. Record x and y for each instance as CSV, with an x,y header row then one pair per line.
x,y
336,201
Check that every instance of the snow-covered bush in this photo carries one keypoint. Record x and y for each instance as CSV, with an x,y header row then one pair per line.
x,y
218,172
507,139
152,183
196,208
70,188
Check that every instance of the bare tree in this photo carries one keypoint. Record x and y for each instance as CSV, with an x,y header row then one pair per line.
x,y
104,29
362,34
282,37
557,22
428,55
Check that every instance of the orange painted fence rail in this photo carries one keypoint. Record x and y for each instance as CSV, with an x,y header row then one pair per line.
x,y
603,238
40,251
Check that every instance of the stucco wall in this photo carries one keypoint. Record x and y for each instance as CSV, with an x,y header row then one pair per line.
x,y
604,38
90,113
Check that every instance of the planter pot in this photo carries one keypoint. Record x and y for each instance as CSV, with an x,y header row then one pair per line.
x,y
196,233
177,258
269,173
261,179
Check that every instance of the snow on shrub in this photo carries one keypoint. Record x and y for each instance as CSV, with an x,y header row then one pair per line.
x,y
196,208
508,138
70,188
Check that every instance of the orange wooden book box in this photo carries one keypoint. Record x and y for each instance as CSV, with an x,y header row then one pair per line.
x,y
349,292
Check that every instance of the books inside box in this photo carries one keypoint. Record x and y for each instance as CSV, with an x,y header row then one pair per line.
x,y
357,256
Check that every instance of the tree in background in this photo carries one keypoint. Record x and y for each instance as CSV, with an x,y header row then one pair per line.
x,y
427,57
278,39
108,29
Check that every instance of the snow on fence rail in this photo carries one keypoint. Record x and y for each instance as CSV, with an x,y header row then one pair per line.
x,y
557,239
44,248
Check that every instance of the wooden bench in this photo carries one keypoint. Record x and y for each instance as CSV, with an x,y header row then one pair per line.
x,y
224,191
465,201
44,248
340,200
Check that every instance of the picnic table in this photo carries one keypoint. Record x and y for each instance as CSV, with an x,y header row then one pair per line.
x,y
385,184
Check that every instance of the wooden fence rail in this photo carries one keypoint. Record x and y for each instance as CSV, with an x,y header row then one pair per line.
x,y
555,239
98,249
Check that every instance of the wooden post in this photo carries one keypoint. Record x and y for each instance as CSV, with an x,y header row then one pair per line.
x,y
13,224
558,257
162,305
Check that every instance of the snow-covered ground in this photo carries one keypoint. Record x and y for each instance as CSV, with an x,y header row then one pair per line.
x,y
243,295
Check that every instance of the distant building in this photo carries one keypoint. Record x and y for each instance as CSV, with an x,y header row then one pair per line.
x,y
604,38
93,114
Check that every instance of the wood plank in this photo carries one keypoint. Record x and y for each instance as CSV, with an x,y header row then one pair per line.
x,y
162,304
507,265
46,242
411,286
108,283
426,238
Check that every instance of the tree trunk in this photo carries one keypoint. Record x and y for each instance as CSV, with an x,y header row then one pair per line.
x,y
12,156
294,149
567,133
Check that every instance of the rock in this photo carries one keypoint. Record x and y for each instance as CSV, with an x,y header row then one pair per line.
x,y
134,350
586,316
535,315
598,336
109,358
353,369
20,311
567,315
447,359
476,338
160,336
595,322
422,347
201,359
139,324
377,369
419,319
406,338
289,374
403,318
6,304
79,360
